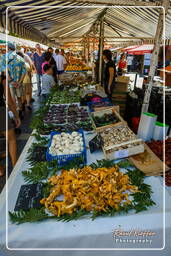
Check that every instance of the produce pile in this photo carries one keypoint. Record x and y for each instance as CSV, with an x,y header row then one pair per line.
x,y
65,97
117,135
157,148
89,189
73,115
77,67
76,190
105,119
56,115
66,144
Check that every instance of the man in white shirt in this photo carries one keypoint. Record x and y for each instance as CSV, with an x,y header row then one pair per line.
x,y
61,62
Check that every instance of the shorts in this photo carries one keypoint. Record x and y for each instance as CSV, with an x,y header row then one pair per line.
x,y
27,87
59,72
3,120
16,92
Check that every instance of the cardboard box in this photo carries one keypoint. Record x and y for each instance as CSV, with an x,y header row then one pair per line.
x,y
149,163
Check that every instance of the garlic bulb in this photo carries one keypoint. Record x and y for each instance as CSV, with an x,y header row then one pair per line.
x,y
65,143
74,134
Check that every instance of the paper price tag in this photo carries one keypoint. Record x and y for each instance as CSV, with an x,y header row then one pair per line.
x,y
121,153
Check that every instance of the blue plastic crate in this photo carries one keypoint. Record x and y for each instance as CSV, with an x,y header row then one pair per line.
x,y
64,159
90,104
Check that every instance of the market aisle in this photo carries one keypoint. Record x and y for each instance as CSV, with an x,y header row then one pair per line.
x,y
25,131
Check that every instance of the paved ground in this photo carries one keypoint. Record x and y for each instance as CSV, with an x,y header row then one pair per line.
x,y
25,133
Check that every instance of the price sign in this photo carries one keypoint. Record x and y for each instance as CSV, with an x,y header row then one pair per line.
x,y
121,153
29,197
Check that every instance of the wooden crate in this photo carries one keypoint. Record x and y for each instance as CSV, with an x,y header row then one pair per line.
x,y
119,96
123,79
110,111
118,154
151,164
120,87
116,108
115,152
121,84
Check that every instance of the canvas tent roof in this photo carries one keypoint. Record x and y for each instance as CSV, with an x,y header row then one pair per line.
x,y
55,22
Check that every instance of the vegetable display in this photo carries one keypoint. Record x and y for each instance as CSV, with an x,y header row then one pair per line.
x,y
56,115
100,189
105,119
65,144
157,148
65,96
117,135
71,115
89,189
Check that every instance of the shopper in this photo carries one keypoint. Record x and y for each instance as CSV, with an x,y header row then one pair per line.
x,y
51,61
16,72
50,49
60,62
109,73
122,64
47,80
12,106
27,83
38,59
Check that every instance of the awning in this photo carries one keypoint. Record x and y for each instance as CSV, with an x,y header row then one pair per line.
x,y
20,41
141,50
68,21
129,48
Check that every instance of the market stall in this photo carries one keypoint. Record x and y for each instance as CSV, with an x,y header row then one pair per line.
x,y
86,172
59,116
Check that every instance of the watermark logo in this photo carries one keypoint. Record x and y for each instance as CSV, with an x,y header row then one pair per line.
x,y
133,236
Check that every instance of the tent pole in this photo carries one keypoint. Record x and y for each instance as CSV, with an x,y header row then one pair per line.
x,y
88,51
101,43
155,54
84,48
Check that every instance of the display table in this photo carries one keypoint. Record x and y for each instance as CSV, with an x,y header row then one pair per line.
x,y
85,233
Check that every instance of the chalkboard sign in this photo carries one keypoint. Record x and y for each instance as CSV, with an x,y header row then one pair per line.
x,y
95,144
29,197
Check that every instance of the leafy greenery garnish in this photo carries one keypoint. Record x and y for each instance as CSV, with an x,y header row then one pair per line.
x,y
40,172
33,215
140,200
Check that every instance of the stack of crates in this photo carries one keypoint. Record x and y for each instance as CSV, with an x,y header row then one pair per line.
x,y
120,92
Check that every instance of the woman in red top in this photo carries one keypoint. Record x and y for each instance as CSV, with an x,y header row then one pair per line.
x,y
122,64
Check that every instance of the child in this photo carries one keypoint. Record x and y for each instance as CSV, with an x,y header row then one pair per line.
x,y
47,80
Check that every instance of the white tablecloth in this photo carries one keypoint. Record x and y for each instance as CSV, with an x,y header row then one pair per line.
x,y
84,233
